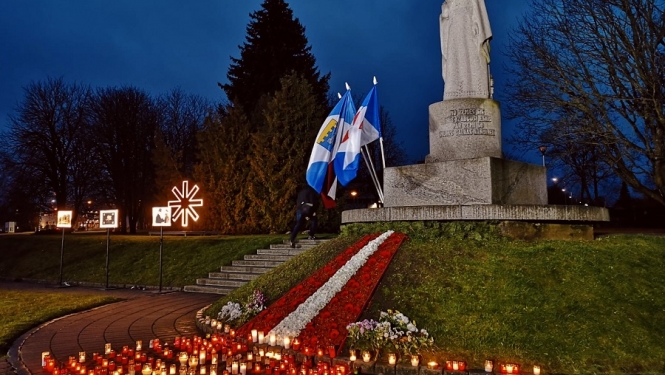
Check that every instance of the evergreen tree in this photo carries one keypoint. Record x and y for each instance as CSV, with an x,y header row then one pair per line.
x,y
223,171
275,47
280,152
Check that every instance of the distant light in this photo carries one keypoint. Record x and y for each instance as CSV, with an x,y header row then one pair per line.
x,y
354,193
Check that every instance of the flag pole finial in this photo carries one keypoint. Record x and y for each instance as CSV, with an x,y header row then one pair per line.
x,y
347,86
339,96
375,81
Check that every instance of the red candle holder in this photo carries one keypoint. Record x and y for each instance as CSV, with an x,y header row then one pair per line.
x,y
296,344
510,368
332,352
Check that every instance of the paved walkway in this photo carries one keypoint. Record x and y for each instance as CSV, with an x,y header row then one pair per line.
x,y
143,315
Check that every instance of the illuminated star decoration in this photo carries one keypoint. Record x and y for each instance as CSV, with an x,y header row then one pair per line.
x,y
185,203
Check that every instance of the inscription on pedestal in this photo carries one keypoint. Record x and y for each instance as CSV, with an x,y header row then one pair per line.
x,y
467,121
464,129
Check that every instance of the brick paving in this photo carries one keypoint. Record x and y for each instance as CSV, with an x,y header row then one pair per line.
x,y
142,315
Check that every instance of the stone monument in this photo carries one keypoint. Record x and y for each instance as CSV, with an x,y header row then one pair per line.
x,y
465,164
465,176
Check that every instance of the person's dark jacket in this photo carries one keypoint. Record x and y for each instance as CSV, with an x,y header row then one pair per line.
x,y
308,201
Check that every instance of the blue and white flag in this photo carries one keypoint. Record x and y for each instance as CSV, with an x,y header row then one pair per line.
x,y
364,129
326,145
371,120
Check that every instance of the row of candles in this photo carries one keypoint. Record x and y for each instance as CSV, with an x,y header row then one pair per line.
x,y
227,355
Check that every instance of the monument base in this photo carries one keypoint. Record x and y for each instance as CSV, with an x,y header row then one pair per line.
x,y
528,222
485,180
464,129
533,213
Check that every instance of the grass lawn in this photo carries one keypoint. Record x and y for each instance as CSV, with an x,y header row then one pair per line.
x,y
22,310
133,260
571,307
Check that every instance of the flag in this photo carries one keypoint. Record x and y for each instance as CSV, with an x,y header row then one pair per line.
x,y
371,121
365,129
320,174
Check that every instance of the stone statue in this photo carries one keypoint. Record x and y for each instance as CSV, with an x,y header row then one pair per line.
x,y
465,35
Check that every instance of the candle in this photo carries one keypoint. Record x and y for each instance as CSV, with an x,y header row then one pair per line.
x,y
139,345
536,370
107,348
183,357
44,355
227,328
392,358
173,369
319,352
202,357
261,337
287,342
243,368
415,360
202,371
255,335
332,353
82,357
432,365
234,367
278,356
273,339
352,355
455,366
219,327
489,366
257,367
147,369
367,356
250,356
509,369
296,344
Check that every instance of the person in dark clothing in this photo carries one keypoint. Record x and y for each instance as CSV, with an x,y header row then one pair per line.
x,y
306,206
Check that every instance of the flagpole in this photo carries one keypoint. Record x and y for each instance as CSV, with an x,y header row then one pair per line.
x,y
383,154
372,172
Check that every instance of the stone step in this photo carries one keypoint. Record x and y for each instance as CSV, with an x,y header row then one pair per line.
x,y
221,282
285,251
233,275
256,263
278,258
299,245
245,269
207,289
253,265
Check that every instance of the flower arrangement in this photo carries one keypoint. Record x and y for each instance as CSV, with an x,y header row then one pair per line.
x,y
238,314
366,335
402,335
394,331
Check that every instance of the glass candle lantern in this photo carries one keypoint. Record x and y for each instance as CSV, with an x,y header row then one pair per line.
x,y
367,356
489,366
415,360
392,358
183,357
536,370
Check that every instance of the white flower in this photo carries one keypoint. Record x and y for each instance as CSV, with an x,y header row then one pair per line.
x,y
411,328
306,311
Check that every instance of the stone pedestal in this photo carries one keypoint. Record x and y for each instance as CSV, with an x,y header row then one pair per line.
x,y
484,180
464,129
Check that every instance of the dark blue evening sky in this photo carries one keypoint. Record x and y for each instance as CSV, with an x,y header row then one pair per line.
x,y
158,45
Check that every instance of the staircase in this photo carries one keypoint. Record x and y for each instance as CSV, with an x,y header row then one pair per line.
x,y
252,266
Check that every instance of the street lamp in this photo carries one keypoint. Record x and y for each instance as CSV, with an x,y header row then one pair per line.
x,y
542,150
